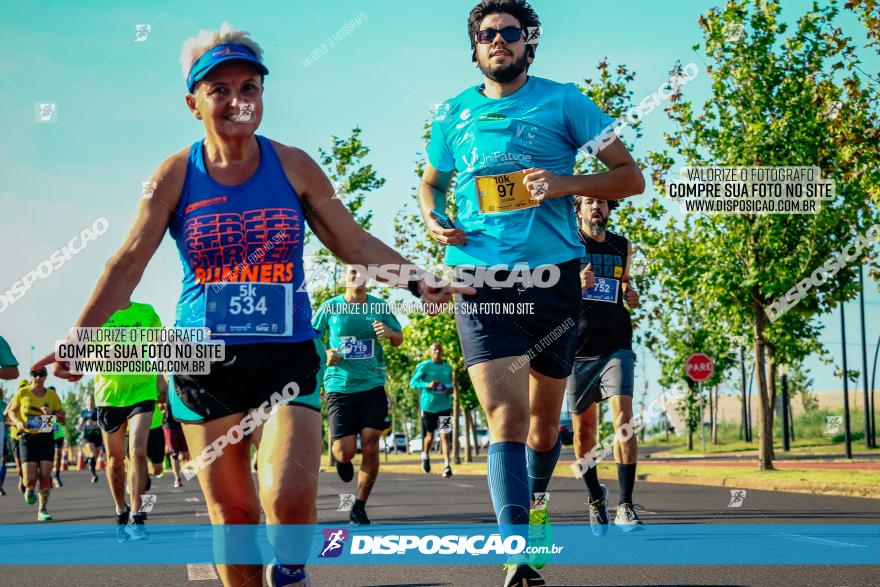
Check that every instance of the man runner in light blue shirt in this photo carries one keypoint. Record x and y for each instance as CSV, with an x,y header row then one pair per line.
x,y
513,141
433,379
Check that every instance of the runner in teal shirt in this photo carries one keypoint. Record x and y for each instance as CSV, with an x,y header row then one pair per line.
x,y
355,380
510,143
433,378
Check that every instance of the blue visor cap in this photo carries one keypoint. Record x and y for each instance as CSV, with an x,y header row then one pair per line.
x,y
221,54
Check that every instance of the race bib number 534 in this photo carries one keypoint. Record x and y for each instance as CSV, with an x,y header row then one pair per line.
x,y
250,309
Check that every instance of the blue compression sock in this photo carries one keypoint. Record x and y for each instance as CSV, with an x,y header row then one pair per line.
x,y
509,487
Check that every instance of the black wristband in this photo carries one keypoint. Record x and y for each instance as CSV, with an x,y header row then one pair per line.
x,y
413,286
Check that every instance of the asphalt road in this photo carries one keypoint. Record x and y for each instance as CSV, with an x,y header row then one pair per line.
x,y
461,499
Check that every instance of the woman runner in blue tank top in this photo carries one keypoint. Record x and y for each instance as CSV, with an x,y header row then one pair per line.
x,y
236,204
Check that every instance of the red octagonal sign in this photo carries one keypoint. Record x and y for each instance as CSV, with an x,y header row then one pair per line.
x,y
699,367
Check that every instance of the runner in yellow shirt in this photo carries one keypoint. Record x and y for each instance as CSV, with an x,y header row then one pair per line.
x,y
33,411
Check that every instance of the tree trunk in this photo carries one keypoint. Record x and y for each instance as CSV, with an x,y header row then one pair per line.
x,y
773,368
470,416
712,401
456,410
765,408
468,451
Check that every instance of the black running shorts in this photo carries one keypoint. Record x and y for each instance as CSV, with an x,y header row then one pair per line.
x,y
544,339
350,413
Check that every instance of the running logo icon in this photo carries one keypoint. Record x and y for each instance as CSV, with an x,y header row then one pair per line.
x,y
445,424
141,32
540,501
333,541
45,112
147,503
833,425
737,496
346,501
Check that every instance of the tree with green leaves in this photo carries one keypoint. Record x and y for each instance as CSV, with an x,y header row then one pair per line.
x,y
779,99
412,240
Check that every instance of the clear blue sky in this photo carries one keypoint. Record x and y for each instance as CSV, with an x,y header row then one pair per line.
x,y
120,111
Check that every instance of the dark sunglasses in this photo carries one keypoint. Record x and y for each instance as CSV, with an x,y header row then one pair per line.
x,y
39,373
510,34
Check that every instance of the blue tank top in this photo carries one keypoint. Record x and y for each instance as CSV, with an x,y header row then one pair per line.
x,y
241,249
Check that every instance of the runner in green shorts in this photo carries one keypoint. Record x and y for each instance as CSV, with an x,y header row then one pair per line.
x,y
58,439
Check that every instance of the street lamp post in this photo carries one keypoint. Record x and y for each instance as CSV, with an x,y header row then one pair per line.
x,y
785,428
846,429
868,432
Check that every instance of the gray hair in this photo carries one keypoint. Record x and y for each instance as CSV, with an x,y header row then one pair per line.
x,y
196,46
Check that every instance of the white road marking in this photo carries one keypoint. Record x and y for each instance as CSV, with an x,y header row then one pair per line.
x,y
822,541
463,485
191,499
201,514
201,573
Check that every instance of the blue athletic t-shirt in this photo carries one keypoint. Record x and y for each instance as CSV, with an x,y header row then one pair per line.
x,y
540,125
241,249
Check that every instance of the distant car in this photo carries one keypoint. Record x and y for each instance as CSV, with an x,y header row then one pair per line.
x,y
415,444
566,431
388,443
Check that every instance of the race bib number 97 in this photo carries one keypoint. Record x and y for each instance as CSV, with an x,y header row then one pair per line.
x,y
249,309
503,193
604,290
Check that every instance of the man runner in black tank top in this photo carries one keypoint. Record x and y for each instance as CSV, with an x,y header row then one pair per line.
x,y
604,359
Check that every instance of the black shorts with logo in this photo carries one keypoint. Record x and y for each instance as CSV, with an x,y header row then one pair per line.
x,y
111,418
430,420
546,339
34,448
248,377
349,413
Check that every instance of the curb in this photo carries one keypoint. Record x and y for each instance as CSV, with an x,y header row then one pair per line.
x,y
870,492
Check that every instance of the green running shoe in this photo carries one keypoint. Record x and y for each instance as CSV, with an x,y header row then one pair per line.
x,y
43,516
540,538
30,496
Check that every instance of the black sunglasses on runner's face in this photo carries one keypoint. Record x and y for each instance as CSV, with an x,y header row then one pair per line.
x,y
511,34
38,373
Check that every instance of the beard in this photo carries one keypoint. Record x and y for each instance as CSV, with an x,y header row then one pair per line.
x,y
507,73
597,229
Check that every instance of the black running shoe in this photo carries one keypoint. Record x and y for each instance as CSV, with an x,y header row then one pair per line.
x,y
136,528
94,478
122,526
21,486
599,514
57,482
426,464
447,472
523,575
358,516
2,492
345,471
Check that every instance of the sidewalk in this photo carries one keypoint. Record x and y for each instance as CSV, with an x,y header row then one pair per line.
x,y
855,478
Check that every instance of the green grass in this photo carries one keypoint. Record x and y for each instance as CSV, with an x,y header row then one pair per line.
x,y
809,433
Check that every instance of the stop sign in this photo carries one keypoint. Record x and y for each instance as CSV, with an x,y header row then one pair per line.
x,y
699,367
